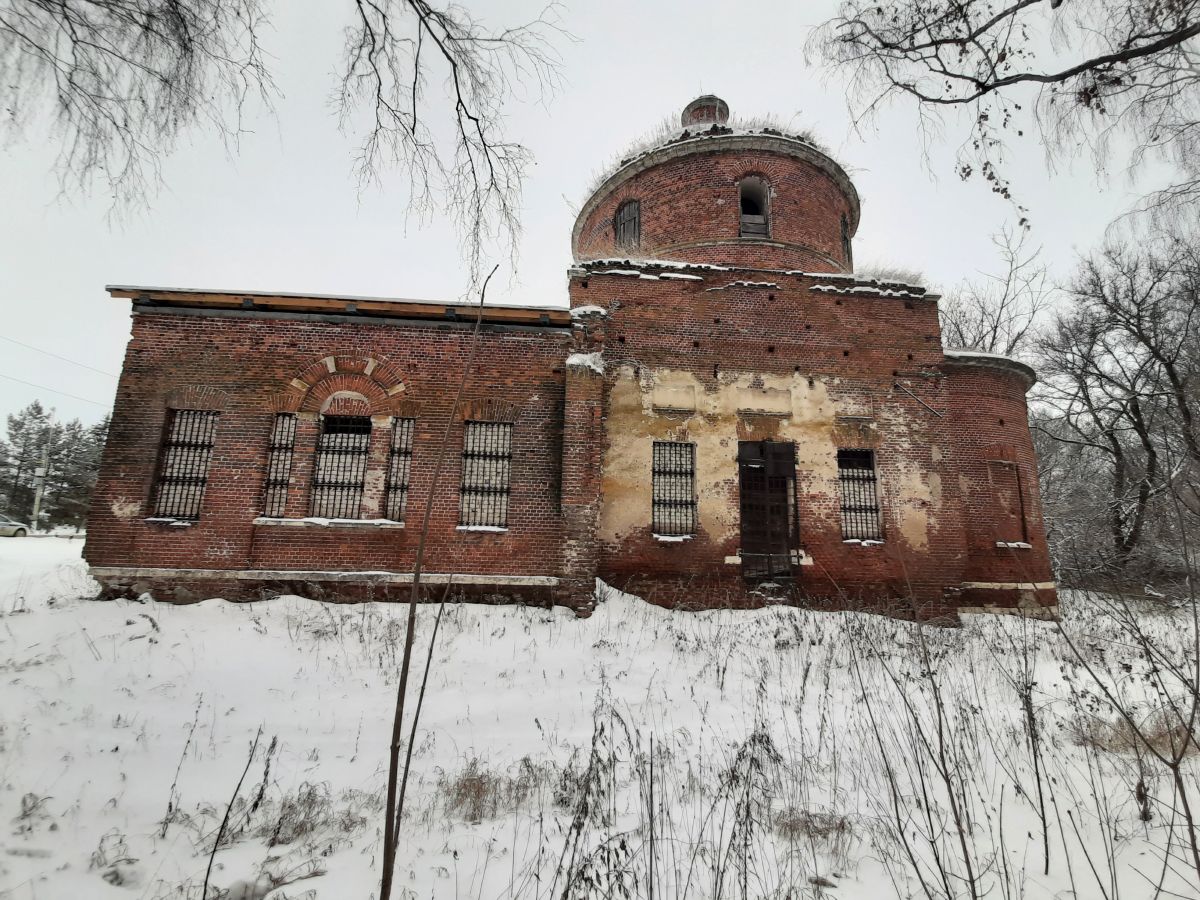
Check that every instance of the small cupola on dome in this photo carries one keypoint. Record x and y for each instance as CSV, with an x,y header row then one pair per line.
x,y
706,110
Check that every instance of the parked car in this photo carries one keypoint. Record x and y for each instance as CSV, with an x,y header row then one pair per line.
x,y
10,527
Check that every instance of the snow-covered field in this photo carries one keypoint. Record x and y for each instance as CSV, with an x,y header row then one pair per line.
x,y
780,753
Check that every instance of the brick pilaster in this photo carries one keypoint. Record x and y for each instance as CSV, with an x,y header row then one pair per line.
x,y
308,429
582,442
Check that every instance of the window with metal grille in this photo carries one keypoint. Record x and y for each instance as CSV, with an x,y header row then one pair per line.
x,y
279,464
847,249
486,467
183,466
860,495
340,466
753,199
674,488
628,224
1009,503
399,465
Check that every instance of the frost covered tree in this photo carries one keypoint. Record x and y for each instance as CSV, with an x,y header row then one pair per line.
x,y
1121,393
72,455
122,81
1103,74
27,434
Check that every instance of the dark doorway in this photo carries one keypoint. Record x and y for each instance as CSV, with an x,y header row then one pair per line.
x,y
767,477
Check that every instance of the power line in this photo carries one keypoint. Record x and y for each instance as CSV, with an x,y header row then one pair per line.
x,y
56,356
42,387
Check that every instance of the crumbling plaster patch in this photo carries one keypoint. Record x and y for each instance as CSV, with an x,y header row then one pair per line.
x,y
126,509
721,414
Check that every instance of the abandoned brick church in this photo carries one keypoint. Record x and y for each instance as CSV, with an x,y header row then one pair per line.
x,y
723,414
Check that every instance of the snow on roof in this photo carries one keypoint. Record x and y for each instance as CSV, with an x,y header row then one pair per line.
x,y
744,284
580,312
593,361
897,290
966,356
669,132
658,263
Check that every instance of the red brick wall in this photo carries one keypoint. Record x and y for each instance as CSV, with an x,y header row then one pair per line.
x,y
246,367
880,353
690,211
987,407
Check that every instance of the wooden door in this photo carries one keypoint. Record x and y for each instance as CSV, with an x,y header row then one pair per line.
x,y
766,478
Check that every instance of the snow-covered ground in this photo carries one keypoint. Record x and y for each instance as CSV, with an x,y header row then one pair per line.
x,y
780,753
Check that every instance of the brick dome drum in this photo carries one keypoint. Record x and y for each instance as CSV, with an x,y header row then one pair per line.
x,y
691,194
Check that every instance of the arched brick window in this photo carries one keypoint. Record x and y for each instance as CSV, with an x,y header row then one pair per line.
x,y
486,473
627,224
183,463
859,488
753,202
279,464
340,468
399,468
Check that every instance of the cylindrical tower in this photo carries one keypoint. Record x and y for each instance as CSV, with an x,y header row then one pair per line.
x,y
1008,561
718,194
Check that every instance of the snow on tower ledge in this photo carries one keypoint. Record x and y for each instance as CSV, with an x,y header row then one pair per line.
x,y
593,361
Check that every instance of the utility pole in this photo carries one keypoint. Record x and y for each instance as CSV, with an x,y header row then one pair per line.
x,y
39,478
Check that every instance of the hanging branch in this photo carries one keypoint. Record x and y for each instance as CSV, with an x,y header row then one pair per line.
x,y
120,81
1091,70
460,164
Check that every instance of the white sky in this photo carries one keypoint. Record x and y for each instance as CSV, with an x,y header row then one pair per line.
x,y
285,214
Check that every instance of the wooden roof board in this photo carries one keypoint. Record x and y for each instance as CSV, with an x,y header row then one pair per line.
x,y
342,305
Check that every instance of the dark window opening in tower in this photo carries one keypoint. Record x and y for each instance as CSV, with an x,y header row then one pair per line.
x,y
847,250
627,224
753,198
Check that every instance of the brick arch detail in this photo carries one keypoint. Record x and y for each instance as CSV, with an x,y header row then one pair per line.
x,y
285,401
488,409
406,409
197,396
346,403
375,378
769,169
374,393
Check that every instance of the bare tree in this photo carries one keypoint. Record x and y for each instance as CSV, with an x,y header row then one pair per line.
x,y
475,175
1122,382
997,314
122,80
1086,69
1099,406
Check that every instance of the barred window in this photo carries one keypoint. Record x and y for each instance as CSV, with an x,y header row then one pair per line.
x,y
340,466
674,488
628,224
279,464
183,465
399,465
860,495
1009,502
486,467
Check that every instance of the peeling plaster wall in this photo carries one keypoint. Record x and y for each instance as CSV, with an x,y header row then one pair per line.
x,y
823,415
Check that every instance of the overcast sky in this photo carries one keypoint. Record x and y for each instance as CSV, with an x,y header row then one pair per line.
x,y
284,214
